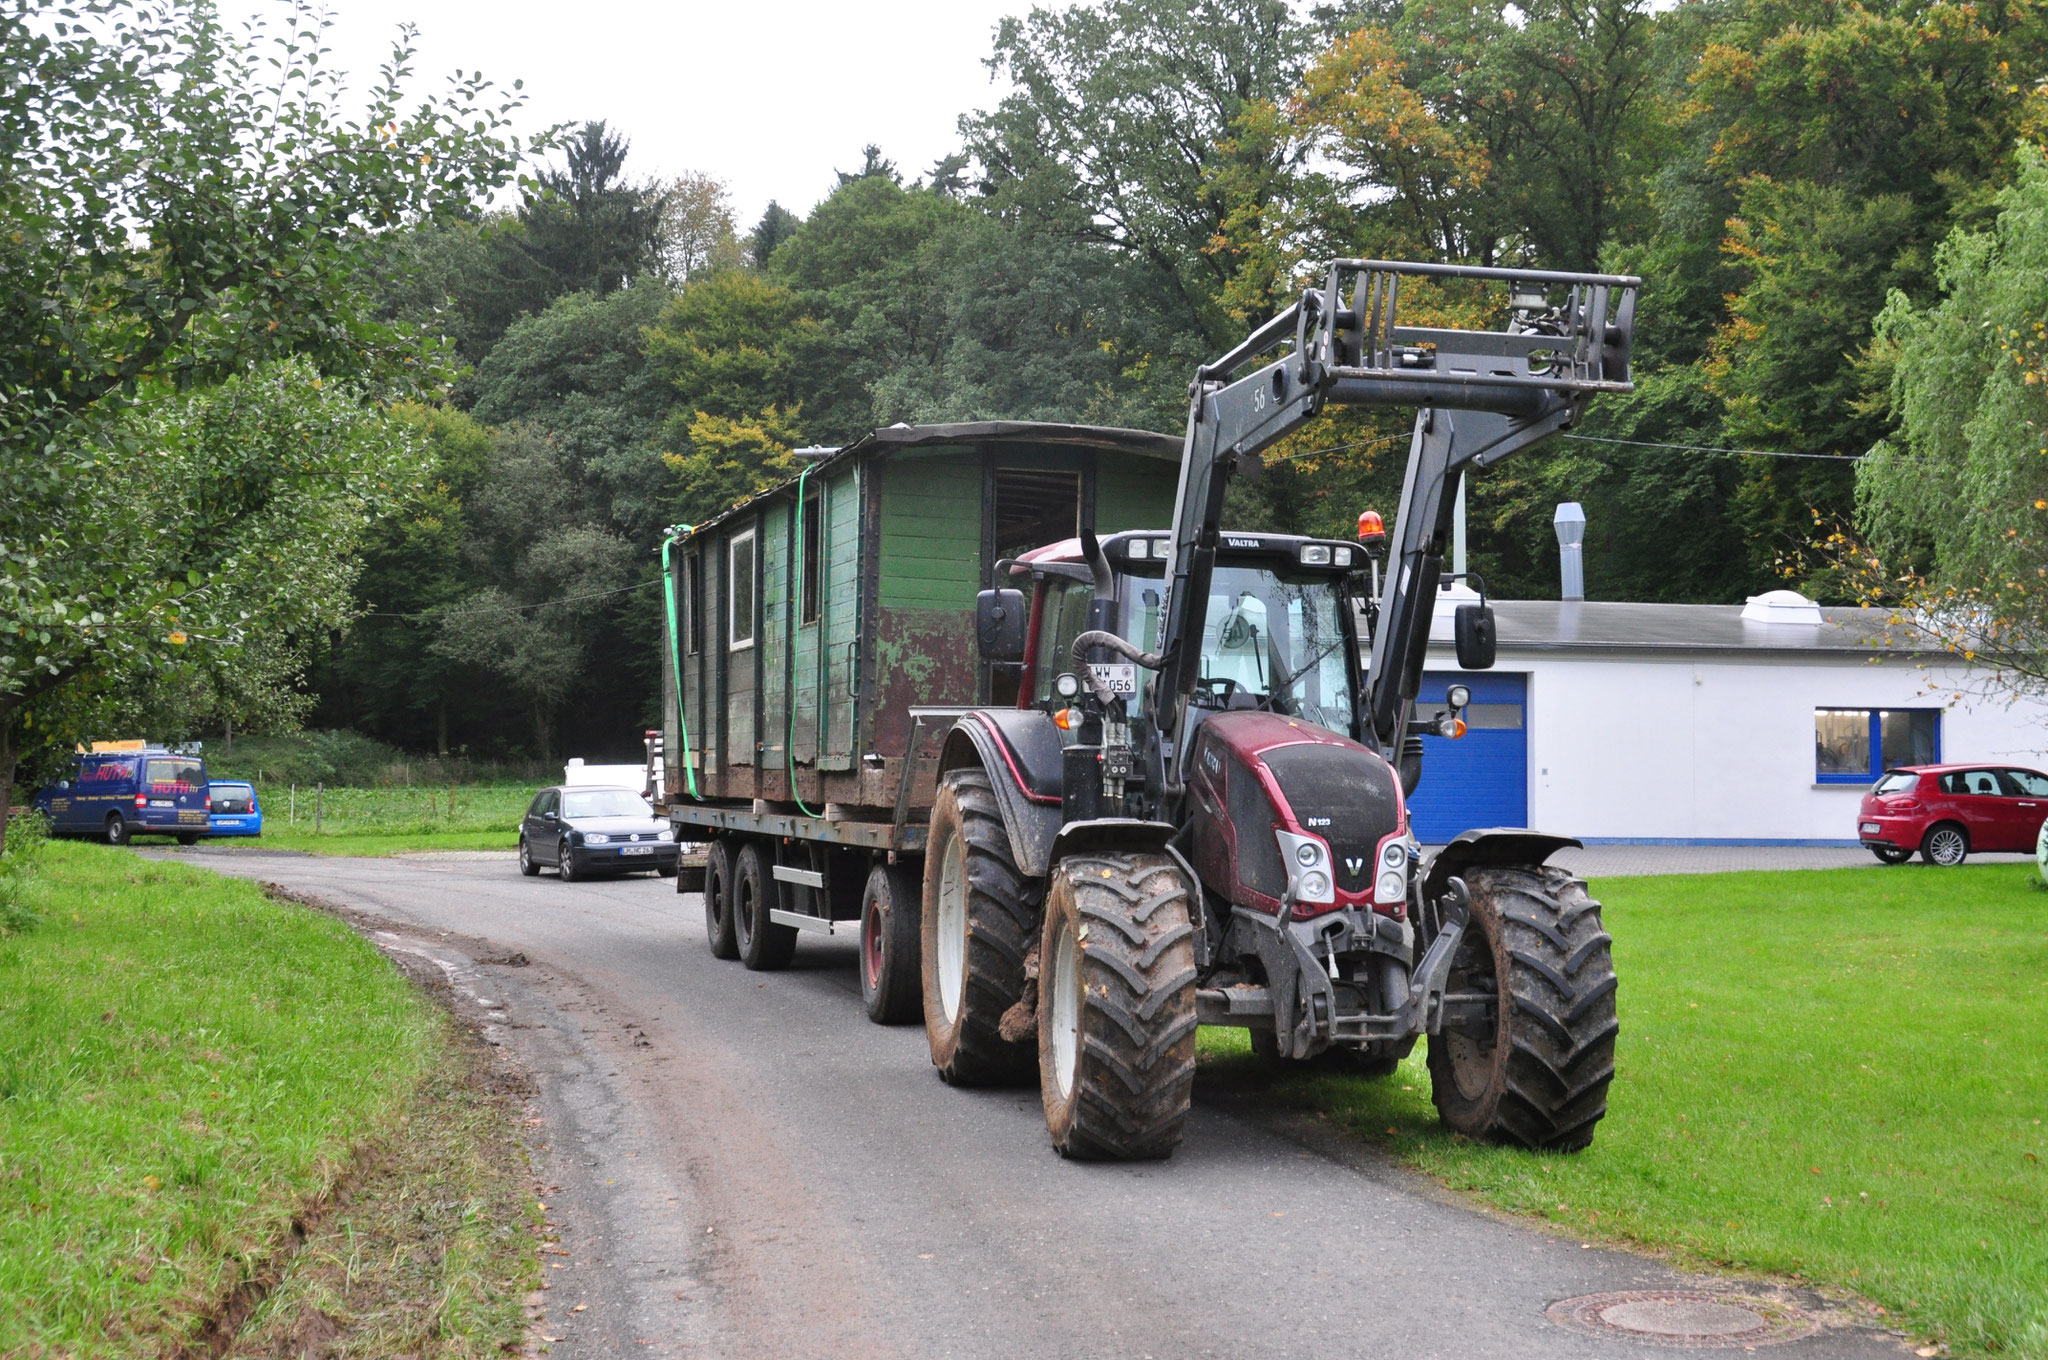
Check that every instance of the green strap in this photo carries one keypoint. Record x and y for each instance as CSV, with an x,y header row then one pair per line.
x,y
796,608
676,534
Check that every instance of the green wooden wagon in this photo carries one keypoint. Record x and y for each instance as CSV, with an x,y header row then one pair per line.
x,y
815,620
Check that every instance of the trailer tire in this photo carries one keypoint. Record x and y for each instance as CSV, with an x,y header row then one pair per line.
x,y
1540,1077
764,945
1116,1009
891,944
718,927
979,918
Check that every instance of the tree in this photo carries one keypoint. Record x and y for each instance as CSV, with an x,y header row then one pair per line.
x,y
777,225
178,205
1120,116
552,570
1954,508
696,228
588,228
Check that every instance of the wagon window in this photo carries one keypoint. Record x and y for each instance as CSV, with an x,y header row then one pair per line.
x,y
693,603
813,549
741,595
1035,507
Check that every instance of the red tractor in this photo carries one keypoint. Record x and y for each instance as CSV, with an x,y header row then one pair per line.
x,y
1197,813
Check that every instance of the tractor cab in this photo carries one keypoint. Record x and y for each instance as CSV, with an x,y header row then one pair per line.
x,y
1281,633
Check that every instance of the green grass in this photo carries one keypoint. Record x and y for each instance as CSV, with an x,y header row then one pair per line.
x,y
384,821
1835,1075
183,1064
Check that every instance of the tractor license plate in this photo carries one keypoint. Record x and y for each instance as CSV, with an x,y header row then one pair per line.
x,y
1870,828
637,850
1120,677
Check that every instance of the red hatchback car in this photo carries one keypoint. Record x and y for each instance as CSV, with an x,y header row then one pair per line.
x,y
1946,811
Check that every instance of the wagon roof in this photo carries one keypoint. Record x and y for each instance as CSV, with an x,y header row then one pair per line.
x,y
895,438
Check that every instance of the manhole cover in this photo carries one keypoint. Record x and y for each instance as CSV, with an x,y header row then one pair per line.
x,y
1683,1317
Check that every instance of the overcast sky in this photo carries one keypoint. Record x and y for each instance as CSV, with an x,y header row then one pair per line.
x,y
769,95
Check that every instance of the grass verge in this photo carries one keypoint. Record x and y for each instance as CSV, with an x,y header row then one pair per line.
x,y
1839,1076
186,1068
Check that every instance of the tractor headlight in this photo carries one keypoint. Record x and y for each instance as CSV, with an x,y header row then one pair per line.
x,y
596,838
1315,554
1395,856
1393,886
1308,867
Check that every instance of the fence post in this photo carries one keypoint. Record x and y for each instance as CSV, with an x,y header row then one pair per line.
x,y
319,805
292,815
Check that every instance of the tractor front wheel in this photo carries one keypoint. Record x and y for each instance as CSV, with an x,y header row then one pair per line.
x,y
1116,1007
1536,1073
979,915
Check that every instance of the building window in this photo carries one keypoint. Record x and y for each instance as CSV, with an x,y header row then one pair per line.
x,y
813,549
740,572
1856,745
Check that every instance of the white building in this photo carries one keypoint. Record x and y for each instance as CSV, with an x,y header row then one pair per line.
x,y
1696,724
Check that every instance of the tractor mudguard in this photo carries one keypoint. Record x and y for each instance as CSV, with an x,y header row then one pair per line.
x,y
1119,835
1020,750
1494,847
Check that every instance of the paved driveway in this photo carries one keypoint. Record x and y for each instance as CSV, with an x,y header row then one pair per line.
x,y
1627,861
741,1165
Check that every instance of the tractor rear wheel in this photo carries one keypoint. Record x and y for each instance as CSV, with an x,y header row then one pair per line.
x,y
1116,1007
979,916
1538,1074
718,927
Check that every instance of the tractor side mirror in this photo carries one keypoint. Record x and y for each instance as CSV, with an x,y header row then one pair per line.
x,y
999,625
1472,628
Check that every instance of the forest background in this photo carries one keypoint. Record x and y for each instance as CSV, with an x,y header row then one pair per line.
x,y
1839,211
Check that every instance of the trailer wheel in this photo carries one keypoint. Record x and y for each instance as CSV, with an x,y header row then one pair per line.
x,y
718,928
979,917
1116,1009
891,985
764,945
1538,1075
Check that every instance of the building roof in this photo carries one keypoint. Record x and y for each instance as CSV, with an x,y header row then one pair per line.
x,y
1604,626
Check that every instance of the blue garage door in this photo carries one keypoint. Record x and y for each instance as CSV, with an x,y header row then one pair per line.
x,y
1481,778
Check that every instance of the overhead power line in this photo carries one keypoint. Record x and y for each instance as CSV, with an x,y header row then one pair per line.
x,y
1710,448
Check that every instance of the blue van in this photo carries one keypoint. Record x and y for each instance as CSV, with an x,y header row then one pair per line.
x,y
114,795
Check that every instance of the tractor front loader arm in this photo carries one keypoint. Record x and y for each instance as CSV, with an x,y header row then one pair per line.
x,y
1482,395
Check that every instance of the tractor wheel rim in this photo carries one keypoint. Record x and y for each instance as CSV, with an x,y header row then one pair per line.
x,y
1064,1023
871,946
1948,847
952,929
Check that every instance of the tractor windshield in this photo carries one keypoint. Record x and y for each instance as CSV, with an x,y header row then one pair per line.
x,y
1274,640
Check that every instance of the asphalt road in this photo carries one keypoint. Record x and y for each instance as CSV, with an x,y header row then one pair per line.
x,y
741,1165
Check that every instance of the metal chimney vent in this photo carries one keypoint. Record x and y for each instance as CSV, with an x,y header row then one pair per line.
x,y
1570,523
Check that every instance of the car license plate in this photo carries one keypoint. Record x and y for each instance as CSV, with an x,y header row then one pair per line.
x,y
1870,828
1120,677
637,850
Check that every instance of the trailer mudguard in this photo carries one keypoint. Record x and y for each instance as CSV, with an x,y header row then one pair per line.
x,y
1020,750
1493,847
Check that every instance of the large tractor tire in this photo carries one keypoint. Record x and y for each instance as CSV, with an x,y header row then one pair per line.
x,y
891,982
1116,1007
1539,1077
764,945
979,919
718,927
